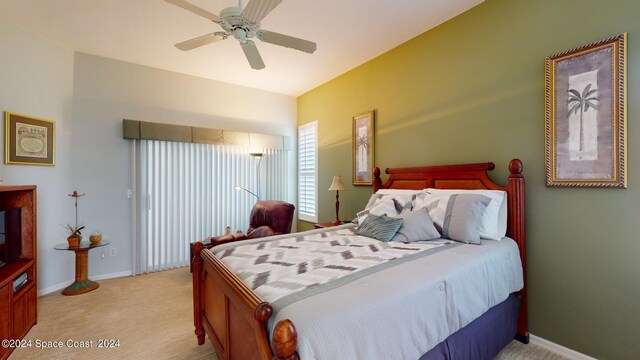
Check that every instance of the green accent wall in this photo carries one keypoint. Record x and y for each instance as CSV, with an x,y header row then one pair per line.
x,y
472,90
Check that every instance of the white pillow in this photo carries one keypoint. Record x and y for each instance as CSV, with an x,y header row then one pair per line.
x,y
402,195
382,206
494,220
404,199
405,192
372,200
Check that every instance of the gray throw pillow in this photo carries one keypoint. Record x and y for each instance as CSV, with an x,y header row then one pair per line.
x,y
416,225
381,228
463,217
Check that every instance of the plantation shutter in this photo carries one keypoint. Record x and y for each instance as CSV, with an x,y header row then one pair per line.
x,y
308,172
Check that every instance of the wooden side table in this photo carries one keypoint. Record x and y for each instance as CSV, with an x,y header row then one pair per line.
x,y
326,225
82,284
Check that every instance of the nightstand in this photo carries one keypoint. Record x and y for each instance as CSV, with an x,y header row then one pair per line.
x,y
326,225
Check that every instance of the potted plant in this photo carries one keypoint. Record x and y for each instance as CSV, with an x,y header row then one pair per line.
x,y
75,234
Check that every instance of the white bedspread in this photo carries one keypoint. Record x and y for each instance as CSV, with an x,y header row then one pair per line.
x,y
284,269
403,311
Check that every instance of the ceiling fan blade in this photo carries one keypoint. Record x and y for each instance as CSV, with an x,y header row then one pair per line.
x,y
252,54
195,9
256,10
287,41
199,41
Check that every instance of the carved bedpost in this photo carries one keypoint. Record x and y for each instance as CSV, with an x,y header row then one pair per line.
x,y
263,311
377,181
196,264
285,341
517,232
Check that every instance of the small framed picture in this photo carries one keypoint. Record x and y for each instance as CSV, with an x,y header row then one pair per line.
x,y
363,148
29,140
585,110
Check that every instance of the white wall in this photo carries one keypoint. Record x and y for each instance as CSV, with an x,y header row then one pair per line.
x,y
106,91
36,78
88,96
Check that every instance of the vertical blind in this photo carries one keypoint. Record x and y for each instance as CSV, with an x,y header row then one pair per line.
x,y
308,171
184,192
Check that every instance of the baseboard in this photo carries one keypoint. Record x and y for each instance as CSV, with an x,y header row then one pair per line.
x,y
558,349
522,338
53,288
63,285
112,275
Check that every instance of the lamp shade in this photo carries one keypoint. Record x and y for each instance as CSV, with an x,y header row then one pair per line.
x,y
337,184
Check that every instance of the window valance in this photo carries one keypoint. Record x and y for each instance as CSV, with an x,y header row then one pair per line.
x,y
144,130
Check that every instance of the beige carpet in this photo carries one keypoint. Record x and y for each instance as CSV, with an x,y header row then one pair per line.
x,y
152,316
519,351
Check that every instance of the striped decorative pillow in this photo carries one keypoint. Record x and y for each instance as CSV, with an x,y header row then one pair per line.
x,y
463,217
381,228
494,220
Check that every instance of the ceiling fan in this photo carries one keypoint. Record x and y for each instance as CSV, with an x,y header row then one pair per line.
x,y
243,24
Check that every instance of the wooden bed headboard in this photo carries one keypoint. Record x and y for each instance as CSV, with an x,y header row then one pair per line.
x,y
471,177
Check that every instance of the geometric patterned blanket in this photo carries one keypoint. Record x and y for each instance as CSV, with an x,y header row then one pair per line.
x,y
276,268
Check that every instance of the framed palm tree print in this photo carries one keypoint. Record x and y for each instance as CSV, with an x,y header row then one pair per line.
x,y
585,115
363,148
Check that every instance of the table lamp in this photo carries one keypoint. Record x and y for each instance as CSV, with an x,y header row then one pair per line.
x,y
337,185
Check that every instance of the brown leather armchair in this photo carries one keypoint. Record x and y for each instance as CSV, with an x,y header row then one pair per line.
x,y
268,218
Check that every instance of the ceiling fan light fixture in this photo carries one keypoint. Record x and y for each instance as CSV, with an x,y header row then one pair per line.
x,y
240,34
243,24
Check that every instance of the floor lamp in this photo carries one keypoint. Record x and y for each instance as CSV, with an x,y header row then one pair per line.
x,y
258,156
337,185
238,187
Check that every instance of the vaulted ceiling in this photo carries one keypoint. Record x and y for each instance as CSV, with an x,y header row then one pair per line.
x,y
347,32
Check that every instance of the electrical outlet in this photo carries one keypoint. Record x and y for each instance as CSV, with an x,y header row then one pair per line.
x,y
112,251
129,194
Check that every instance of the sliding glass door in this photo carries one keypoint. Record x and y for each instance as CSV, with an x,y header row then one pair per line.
x,y
184,192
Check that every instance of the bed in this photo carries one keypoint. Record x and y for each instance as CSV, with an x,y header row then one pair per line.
x,y
241,325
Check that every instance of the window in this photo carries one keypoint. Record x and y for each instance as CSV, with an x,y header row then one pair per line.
x,y
308,172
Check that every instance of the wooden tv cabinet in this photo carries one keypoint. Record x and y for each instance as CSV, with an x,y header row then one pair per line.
x,y
18,311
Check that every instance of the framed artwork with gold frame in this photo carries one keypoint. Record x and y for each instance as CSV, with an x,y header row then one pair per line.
x,y
363,148
585,115
29,140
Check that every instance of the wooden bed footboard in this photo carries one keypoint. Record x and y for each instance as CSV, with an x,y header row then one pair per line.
x,y
234,317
